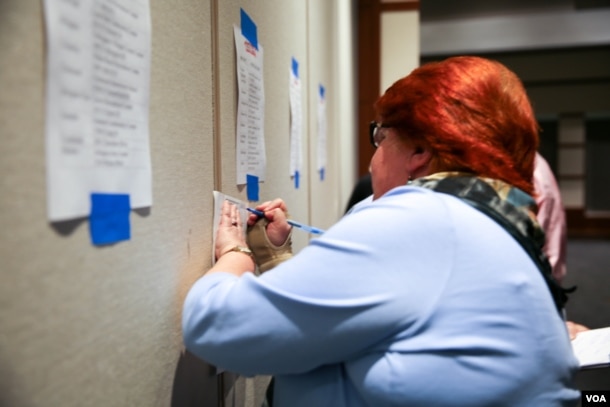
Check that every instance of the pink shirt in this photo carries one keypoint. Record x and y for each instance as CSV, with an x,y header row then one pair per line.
x,y
551,216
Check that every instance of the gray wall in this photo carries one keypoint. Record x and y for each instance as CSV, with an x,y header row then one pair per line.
x,y
561,51
100,326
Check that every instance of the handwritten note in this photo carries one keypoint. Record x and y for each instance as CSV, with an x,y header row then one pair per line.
x,y
98,70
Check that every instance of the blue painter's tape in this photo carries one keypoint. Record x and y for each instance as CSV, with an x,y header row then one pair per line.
x,y
322,91
295,67
252,187
322,173
297,179
109,219
248,28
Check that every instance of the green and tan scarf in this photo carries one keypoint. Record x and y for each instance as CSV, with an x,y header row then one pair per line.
x,y
510,207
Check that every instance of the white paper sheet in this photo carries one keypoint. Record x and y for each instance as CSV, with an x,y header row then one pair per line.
x,y
296,125
250,143
98,74
592,348
322,144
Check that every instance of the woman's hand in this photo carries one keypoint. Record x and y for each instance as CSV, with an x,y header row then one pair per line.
x,y
269,238
574,329
276,213
230,230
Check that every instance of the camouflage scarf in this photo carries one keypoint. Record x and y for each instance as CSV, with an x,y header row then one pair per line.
x,y
510,207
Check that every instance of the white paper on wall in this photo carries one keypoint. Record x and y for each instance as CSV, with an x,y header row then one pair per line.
x,y
250,143
98,74
296,125
322,144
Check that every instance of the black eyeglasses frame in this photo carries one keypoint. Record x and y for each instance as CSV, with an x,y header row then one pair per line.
x,y
374,132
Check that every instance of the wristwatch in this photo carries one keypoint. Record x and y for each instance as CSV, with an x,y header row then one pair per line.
x,y
242,249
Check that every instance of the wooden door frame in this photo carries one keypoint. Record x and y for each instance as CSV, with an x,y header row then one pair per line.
x,y
369,68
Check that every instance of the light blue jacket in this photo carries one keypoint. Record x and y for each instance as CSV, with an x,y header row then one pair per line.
x,y
415,299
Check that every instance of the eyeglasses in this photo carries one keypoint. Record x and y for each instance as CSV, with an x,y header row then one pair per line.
x,y
375,133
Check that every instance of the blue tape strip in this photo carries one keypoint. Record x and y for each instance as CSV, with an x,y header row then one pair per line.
x,y
322,91
297,178
322,173
248,28
252,187
109,219
295,67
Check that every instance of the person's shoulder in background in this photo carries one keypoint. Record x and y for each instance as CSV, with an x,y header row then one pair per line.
x,y
362,190
551,216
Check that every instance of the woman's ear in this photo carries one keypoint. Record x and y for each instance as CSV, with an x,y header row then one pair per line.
x,y
418,163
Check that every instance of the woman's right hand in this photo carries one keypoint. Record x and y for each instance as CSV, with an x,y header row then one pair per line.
x,y
276,214
269,238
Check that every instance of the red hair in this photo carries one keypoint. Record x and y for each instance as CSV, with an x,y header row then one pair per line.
x,y
473,113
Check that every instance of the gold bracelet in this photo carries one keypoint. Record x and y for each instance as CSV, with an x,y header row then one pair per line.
x,y
242,249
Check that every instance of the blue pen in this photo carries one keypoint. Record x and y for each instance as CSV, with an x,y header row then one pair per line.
x,y
306,228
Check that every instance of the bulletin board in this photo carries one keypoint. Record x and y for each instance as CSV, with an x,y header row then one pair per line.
x,y
86,324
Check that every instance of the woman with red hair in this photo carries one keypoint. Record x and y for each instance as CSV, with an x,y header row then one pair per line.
x,y
472,113
435,292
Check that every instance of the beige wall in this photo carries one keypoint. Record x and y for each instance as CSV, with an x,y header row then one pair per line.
x,y
100,326
399,45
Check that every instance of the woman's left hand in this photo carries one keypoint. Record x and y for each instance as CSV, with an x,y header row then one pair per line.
x,y
574,329
230,230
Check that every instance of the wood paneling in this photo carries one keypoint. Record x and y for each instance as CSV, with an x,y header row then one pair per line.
x,y
369,44
369,69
